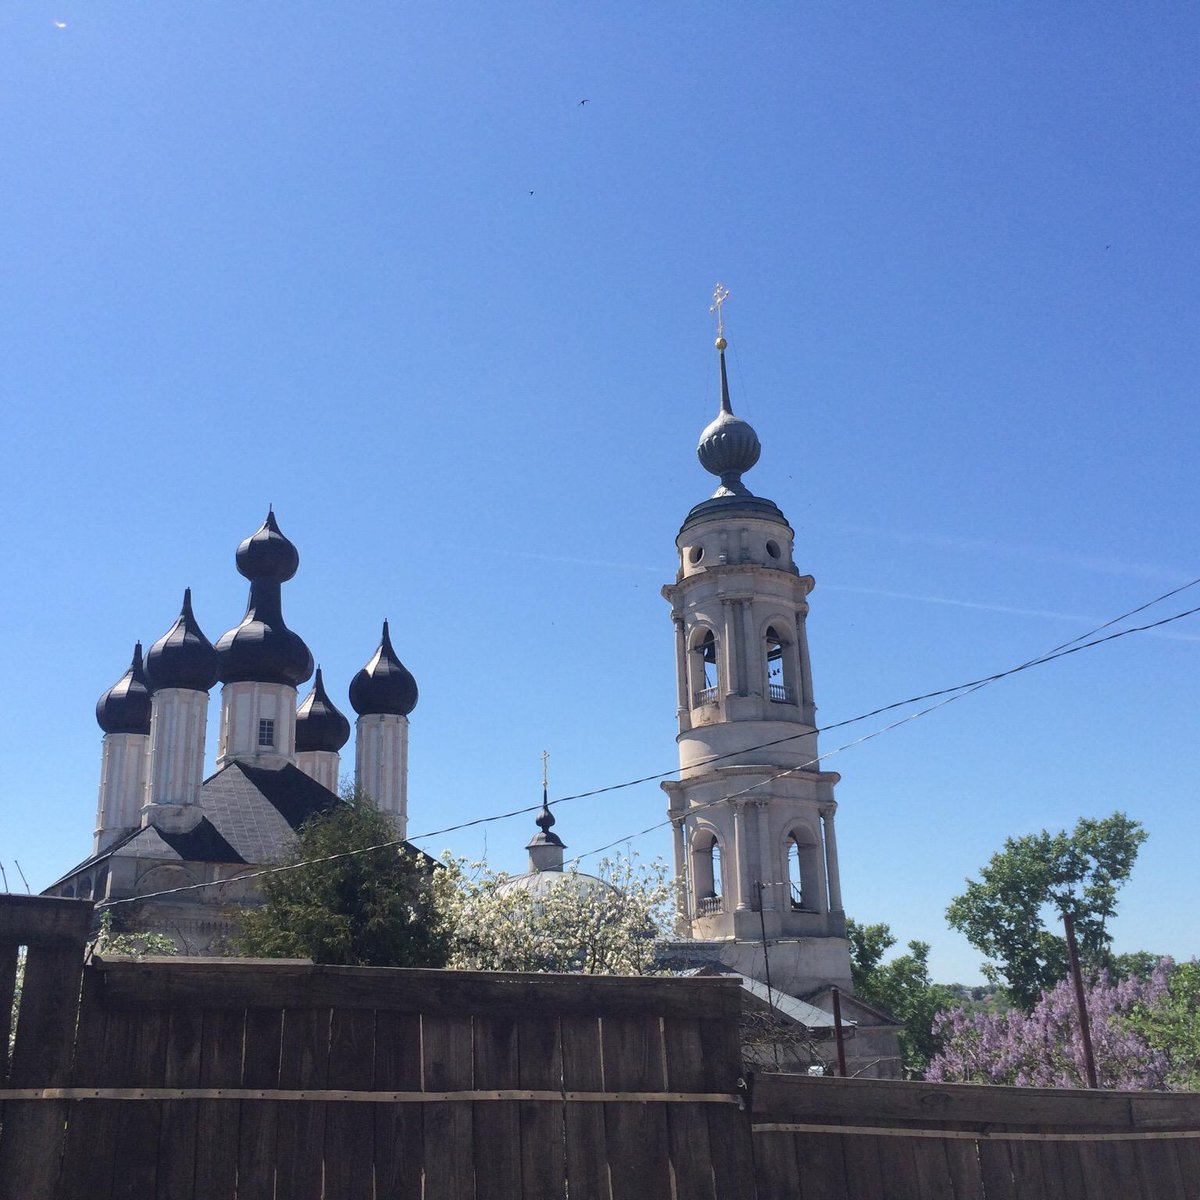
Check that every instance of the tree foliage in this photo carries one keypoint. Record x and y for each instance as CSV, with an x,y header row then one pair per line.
x,y
900,986
575,926
1038,877
1145,1034
377,908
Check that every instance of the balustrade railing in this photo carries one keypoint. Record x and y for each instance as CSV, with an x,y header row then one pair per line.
x,y
782,693
707,905
704,696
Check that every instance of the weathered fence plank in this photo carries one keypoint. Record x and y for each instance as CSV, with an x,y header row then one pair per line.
x,y
217,1121
542,1123
54,932
349,1130
448,1065
399,1135
143,1041
496,1126
687,1124
587,1141
177,1141
300,1140
258,1128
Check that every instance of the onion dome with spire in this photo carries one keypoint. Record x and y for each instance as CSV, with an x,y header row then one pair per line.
x,y
384,685
262,649
728,448
319,724
125,707
183,657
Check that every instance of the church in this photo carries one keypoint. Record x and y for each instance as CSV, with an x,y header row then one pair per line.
x,y
188,843
752,812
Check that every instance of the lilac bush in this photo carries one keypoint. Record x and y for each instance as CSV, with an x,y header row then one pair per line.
x,y
1043,1047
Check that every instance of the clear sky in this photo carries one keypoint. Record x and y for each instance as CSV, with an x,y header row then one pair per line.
x,y
377,264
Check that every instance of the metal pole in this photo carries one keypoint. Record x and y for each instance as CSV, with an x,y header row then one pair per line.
x,y
1085,1029
837,1031
762,924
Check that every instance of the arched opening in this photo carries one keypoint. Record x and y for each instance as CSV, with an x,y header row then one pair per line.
x,y
706,873
803,871
704,674
779,658
101,883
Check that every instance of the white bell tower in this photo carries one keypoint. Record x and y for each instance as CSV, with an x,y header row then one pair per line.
x,y
752,811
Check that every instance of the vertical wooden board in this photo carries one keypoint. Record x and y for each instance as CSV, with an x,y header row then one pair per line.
x,y
587,1146
141,1062
821,1166
636,1133
177,1143
933,1169
1158,1166
1054,1185
448,1065
399,1128
1187,1155
687,1124
349,1127
864,1178
1028,1176
31,1142
217,1120
259,1123
996,1167
898,1166
90,1151
1094,1169
300,1124
1062,1160
1121,1162
540,1067
962,1161
776,1168
496,1124
728,1126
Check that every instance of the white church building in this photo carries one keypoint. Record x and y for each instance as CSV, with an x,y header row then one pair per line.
x,y
162,827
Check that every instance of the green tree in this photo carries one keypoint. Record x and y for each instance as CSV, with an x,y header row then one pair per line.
x,y
900,986
1035,879
1170,1023
376,908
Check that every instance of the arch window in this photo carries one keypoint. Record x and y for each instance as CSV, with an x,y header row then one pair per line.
x,y
802,871
706,873
779,659
704,674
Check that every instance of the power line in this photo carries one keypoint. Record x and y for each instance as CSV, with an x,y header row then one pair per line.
x,y
950,694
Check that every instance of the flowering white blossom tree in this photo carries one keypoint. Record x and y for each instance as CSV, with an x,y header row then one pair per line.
x,y
607,924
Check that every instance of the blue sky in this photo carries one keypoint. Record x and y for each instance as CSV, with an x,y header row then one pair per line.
x,y
376,264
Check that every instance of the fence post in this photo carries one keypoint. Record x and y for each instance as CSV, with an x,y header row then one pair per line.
x,y
54,933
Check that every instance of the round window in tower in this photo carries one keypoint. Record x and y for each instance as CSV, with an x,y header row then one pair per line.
x,y
695,554
773,549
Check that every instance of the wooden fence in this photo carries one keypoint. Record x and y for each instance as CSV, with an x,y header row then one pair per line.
x,y
232,1080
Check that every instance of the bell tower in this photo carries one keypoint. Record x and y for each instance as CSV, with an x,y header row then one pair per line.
x,y
752,811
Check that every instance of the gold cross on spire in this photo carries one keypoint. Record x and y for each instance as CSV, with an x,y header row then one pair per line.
x,y
545,774
720,295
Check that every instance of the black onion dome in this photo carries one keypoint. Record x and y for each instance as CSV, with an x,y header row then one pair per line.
x,y
385,684
319,724
183,657
125,707
262,649
266,554
728,446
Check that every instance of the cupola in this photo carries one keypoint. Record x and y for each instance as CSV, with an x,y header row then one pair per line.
x,y
384,685
262,649
183,657
125,707
319,724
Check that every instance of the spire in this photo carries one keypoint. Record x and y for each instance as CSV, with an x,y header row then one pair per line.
x,y
183,657
384,685
545,848
728,446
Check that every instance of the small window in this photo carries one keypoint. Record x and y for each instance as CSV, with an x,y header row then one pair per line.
x,y
266,732
773,549
695,554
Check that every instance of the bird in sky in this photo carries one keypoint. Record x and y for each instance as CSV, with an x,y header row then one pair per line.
x,y
60,24
583,102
